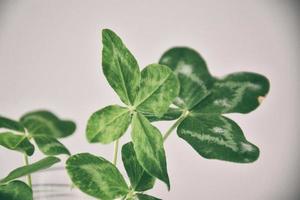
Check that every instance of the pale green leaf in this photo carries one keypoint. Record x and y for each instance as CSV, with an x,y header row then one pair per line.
x,y
148,145
50,146
96,176
46,123
16,142
139,179
120,67
108,124
236,93
159,86
11,124
29,169
15,190
191,70
217,137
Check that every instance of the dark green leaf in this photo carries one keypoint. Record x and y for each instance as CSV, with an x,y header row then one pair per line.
x,y
108,124
50,146
11,124
159,87
120,67
236,93
15,190
148,145
146,197
171,114
217,137
194,77
139,179
96,176
29,169
46,123
16,142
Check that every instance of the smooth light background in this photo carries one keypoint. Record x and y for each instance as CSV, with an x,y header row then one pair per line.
x,y
50,57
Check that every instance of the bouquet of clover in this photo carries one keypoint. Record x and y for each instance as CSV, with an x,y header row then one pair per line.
x,y
44,128
181,78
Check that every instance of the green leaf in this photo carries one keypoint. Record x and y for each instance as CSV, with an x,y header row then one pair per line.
x,y
120,67
191,70
146,197
159,86
96,176
171,114
16,142
139,179
236,93
217,137
149,149
46,123
108,124
50,146
11,124
15,190
29,169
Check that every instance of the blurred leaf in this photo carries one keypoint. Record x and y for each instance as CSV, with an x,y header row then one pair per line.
x,y
50,146
46,123
16,142
11,124
108,124
96,176
120,67
29,169
159,87
139,179
15,190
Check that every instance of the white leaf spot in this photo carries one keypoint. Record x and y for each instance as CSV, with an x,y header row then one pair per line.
x,y
246,147
218,130
222,102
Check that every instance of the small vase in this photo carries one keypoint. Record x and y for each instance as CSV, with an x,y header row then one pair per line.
x,y
55,184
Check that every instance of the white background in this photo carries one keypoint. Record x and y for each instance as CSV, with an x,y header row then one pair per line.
x,y
50,57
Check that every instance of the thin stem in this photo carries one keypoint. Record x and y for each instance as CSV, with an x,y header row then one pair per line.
x,y
28,176
130,195
179,120
26,160
116,147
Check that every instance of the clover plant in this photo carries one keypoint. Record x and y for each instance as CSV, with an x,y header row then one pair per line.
x,y
179,87
42,127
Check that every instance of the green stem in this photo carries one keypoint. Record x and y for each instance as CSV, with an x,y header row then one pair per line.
x,y
130,195
26,160
28,176
116,147
179,120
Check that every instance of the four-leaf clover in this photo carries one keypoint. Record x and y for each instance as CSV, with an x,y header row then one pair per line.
x,y
150,91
